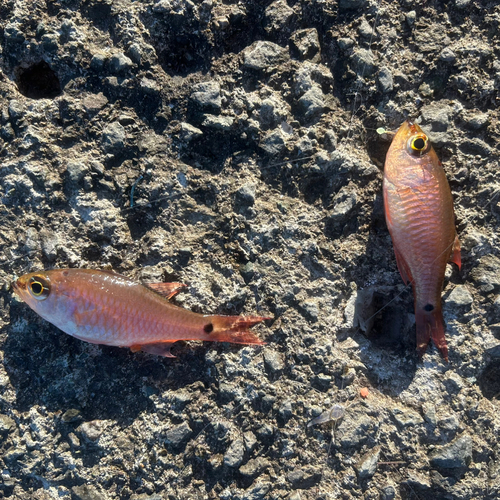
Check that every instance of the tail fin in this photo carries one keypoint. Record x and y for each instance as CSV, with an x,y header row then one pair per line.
x,y
431,325
233,329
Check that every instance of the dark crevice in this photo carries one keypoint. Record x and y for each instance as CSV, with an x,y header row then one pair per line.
x,y
38,81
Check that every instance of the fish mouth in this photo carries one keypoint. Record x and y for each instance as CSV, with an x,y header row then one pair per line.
x,y
17,287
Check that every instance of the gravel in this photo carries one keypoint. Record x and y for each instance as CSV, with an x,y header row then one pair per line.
x,y
248,134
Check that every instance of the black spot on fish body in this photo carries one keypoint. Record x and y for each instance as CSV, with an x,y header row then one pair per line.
x,y
208,328
428,308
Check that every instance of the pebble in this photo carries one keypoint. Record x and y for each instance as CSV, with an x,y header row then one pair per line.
x,y
273,363
345,43
6,423
364,62
304,478
411,17
120,63
438,115
189,132
460,297
263,55
407,418
343,204
487,273
245,196
206,96
234,454
456,454
258,492
304,45
365,30
76,171
86,492
385,80
477,120
277,16
178,435
49,243
285,411
312,103
97,62
447,55
220,123
254,467
367,465
113,137
273,143
92,430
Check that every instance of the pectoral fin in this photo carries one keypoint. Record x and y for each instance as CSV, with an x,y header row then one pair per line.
x,y
455,255
168,290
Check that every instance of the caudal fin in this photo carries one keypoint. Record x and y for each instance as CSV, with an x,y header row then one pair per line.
x,y
430,325
233,329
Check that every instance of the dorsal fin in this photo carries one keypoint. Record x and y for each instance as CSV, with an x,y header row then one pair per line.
x,y
167,290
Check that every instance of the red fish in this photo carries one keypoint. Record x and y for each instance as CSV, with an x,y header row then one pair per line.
x,y
102,307
419,214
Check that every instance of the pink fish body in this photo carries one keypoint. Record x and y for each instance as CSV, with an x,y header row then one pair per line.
x,y
102,307
419,214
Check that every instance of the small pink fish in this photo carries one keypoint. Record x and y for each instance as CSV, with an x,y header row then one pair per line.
x,y
103,307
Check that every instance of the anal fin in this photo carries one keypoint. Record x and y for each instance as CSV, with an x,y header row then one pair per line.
x,y
455,253
158,349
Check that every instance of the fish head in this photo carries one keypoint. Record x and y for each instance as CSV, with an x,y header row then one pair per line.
x,y
37,291
411,140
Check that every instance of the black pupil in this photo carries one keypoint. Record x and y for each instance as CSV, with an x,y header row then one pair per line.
x,y
37,288
419,143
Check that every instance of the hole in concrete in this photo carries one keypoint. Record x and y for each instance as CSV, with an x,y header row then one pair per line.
x,y
38,81
489,381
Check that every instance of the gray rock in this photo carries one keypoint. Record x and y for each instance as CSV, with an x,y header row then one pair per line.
x,y
304,478
305,45
278,16
312,103
411,17
92,430
98,61
309,309
265,432
120,63
257,492
273,143
364,62
178,435
367,465
385,80
476,120
345,43
462,4
388,492
189,132
407,418
16,110
113,137
285,411
220,123
86,492
245,196
76,171
6,424
487,273
49,243
460,297
13,33
447,55
438,115
255,467
457,454
235,453
365,30
343,204
206,96
273,363
263,55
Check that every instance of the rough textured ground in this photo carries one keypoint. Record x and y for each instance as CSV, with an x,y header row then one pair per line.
x,y
252,125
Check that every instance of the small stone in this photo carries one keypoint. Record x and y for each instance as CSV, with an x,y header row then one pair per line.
x,y
453,382
460,297
437,115
16,110
253,468
388,493
304,478
406,418
429,410
477,120
178,435
245,196
76,171
304,45
385,80
365,30
265,432
343,204
367,465
6,423
86,492
285,412
120,63
222,123
263,55
49,243
113,137
92,430
312,103
447,55
97,62
258,492
462,4
364,62
487,273
345,43
273,363
277,16
411,17
273,143
70,415
234,454
457,454
189,133
309,309
207,96
250,441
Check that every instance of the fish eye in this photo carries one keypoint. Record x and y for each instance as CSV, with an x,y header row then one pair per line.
x,y
418,144
39,287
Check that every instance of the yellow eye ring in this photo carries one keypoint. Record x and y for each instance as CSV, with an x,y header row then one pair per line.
x,y
419,143
39,288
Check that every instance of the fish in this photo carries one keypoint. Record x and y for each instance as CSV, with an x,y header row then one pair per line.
x,y
419,213
103,307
